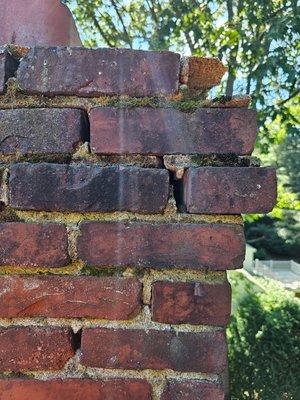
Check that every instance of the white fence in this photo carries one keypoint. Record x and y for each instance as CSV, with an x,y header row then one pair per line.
x,y
286,272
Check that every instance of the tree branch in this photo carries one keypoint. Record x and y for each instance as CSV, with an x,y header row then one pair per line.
x,y
129,40
102,33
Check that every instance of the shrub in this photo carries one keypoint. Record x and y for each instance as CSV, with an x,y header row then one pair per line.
x,y
264,346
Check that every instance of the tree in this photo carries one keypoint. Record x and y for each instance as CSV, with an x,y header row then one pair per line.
x,y
258,40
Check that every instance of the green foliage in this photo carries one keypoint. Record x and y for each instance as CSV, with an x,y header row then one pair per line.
x,y
275,237
264,345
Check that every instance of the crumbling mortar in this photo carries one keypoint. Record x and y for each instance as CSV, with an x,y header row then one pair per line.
x,y
186,100
170,215
141,322
178,275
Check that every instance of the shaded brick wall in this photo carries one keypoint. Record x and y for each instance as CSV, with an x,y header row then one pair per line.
x,y
121,189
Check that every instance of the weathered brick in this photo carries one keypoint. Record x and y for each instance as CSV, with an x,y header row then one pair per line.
x,y
8,66
58,187
193,390
69,297
185,245
191,303
229,190
94,72
33,245
139,349
201,73
35,348
42,131
75,389
53,24
170,131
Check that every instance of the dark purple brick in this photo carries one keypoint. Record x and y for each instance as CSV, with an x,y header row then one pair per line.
x,y
193,390
152,349
169,131
42,131
94,72
230,190
59,187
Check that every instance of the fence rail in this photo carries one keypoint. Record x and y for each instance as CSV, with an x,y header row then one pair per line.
x,y
286,272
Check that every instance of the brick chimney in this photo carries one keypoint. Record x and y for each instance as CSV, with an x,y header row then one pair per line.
x,y
121,197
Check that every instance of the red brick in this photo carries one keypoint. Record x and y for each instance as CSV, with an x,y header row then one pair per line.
x,y
158,350
193,390
58,187
229,190
35,348
69,297
185,245
169,131
75,389
33,245
94,72
53,23
191,303
42,131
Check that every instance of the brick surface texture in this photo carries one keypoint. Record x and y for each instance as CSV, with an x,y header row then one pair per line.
x,y
58,187
35,348
120,199
169,131
99,72
230,190
191,303
75,389
33,245
41,131
193,390
70,297
148,245
139,349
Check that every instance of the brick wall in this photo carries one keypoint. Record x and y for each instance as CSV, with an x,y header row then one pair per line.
x,y
121,187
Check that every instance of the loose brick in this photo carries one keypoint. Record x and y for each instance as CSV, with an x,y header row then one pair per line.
x,y
191,303
161,245
169,131
34,348
42,131
33,245
229,190
94,72
201,73
138,349
69,297
193,390
75,389
58,187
